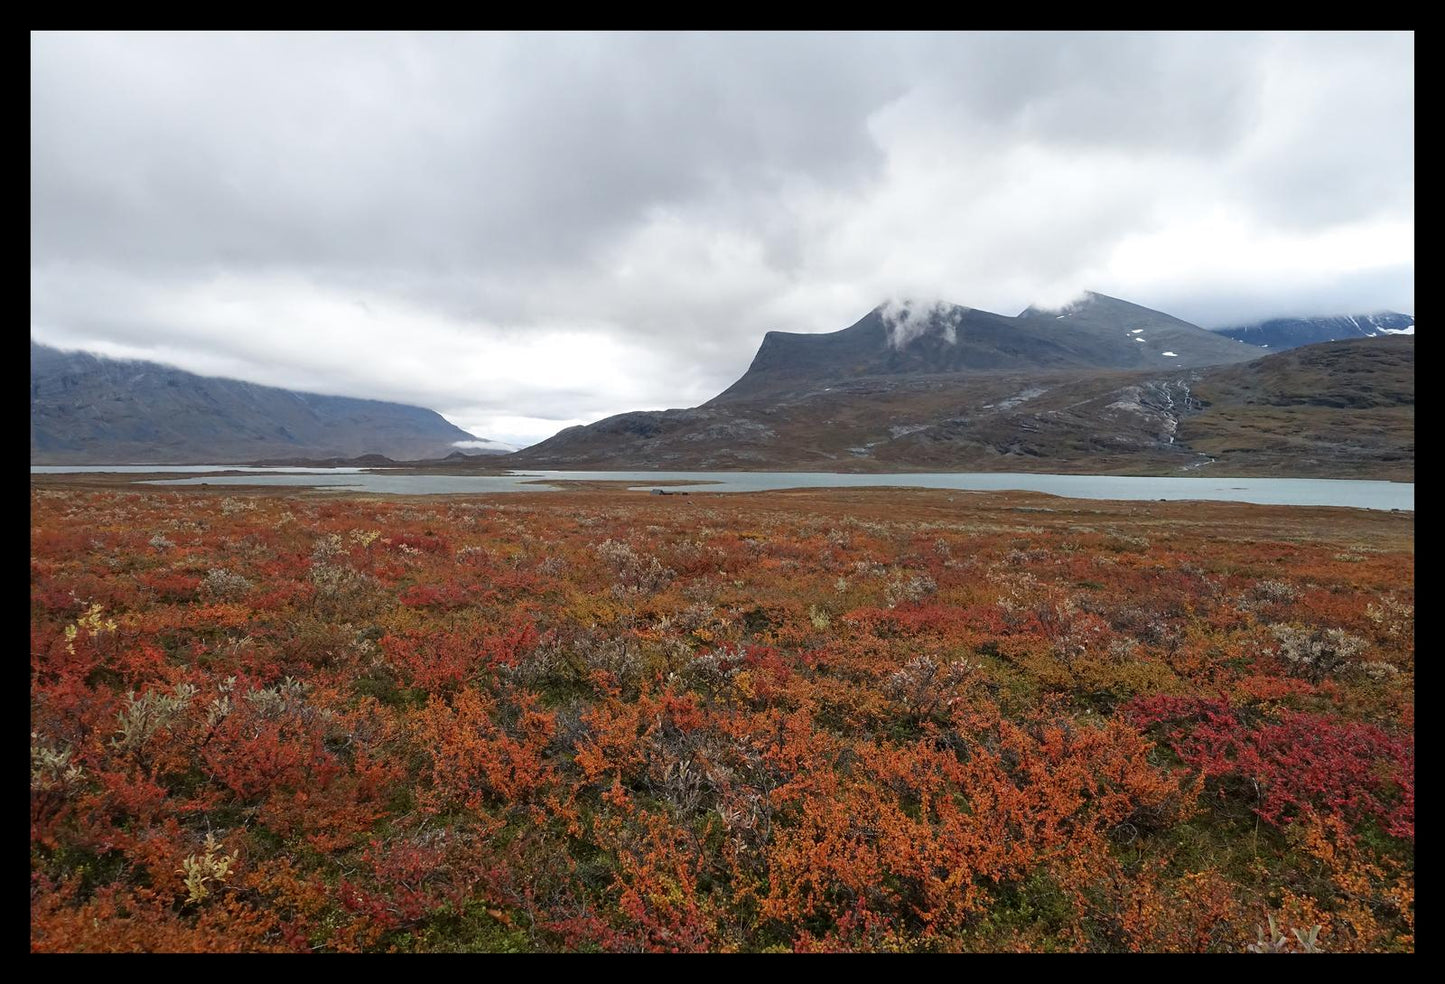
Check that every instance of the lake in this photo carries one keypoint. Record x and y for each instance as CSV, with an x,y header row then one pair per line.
x,y
1267,491
181,469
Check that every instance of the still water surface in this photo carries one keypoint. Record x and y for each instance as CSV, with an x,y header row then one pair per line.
x,y
1271,491
180,469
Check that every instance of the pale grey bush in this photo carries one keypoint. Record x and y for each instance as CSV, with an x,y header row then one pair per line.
x,y
476,555
225,584
714,669
616,655
924,686
155,711
635,574
1315,654
338,584
909,586
51,767
288,696
1276,942
557,661
325,548
1393,616
552,565
1279,592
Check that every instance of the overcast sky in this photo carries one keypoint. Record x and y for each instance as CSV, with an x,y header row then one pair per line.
x,y
527,231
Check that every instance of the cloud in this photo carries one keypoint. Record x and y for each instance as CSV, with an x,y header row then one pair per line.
x,y
907,319
528,230
483,446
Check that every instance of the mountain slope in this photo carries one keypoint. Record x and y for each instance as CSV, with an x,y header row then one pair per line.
x,y
1331,409
1122,335
1286,333
85,409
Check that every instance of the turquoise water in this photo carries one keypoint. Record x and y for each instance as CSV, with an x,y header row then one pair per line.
x,y
1270,491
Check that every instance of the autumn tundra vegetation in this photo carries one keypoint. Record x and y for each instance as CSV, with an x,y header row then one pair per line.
x,y
865,720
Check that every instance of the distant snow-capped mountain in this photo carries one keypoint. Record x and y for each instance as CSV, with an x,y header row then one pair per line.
x,y
1287,333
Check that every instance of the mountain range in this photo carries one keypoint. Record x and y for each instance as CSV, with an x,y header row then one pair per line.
x,y
1099,386
85,409
1285,333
